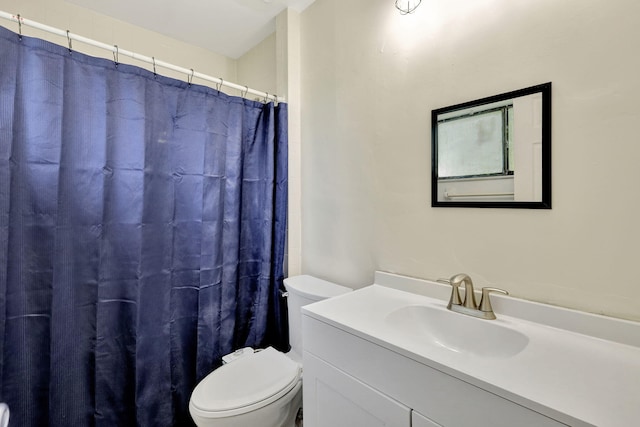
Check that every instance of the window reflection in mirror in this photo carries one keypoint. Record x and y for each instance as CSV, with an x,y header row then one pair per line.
x,y
494,152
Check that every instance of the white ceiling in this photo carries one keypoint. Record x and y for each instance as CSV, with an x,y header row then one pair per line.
x,y
227,27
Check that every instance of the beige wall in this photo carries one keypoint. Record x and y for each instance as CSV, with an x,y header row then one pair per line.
x,y
257,68
289,77
370,78
81,21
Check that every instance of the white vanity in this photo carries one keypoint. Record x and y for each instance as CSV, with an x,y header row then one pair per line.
x,y
391,354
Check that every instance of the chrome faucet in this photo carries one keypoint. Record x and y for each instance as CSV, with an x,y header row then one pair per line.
x,y
469,305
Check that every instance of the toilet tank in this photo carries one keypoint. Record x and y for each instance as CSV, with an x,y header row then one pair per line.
x,y
305,290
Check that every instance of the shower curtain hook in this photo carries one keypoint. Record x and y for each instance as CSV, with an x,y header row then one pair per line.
x,y
266,98
190,77
246,90
19,18
116,55
153,58
69,41
219,85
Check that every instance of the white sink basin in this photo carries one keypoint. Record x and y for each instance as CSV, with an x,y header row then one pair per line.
x,y
457,332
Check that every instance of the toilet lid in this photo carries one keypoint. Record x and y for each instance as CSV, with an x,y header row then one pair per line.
x,y
258,378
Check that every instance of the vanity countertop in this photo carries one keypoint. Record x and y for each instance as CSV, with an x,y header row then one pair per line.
x,y
579,368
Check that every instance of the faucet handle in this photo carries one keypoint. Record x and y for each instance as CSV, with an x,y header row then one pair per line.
x,y
485,302
455,294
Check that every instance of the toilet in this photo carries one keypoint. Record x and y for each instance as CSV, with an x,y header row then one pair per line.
x,y
263,387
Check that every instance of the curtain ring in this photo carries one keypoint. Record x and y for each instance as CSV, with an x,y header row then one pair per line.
x,y
190,77
69,41
219,85
246,90
153,58
116,55
19,18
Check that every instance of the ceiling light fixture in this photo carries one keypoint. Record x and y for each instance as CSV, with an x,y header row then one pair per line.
x,y
407,6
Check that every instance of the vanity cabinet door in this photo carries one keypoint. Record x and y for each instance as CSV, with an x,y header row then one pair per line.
x,y
334,399
419,420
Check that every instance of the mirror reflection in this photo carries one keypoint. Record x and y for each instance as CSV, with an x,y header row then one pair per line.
x,y
494,152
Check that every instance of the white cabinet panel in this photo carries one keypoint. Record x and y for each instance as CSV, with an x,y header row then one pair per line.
x,y
335,399
419,387
419,420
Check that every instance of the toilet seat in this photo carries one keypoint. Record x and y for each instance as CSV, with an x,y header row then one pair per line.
x,y
246,384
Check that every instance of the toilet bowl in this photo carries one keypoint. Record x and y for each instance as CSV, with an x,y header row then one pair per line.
x,y
262,388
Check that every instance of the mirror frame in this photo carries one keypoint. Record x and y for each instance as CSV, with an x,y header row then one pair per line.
x,y
545,203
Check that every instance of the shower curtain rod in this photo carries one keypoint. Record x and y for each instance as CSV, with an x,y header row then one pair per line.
x,y
150,60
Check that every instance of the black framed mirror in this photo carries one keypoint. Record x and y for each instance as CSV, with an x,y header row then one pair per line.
x,y
493,152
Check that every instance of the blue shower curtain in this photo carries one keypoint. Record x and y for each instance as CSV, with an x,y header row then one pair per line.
x,y
142,225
